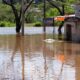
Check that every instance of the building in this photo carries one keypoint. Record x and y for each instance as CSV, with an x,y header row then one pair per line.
x,y
72,29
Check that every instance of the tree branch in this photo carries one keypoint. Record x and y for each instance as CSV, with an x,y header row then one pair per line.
x,y
54,5
13,8
6,3
27,6
20,12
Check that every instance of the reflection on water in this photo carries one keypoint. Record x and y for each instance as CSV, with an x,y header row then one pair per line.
x,y
19,44
32,57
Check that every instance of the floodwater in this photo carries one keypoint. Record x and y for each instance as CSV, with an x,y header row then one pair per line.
x,y
34,57
30,30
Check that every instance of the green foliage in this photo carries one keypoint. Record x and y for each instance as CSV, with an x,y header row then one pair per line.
x,y
52,12
2,24
37,24
29,17
32,16
69,10
71,1
6,24
6,13
57,23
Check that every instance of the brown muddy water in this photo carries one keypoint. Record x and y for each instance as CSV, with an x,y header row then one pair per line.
x,y
32,57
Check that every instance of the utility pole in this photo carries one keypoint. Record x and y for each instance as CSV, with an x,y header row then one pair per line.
x,y
22,17
44,14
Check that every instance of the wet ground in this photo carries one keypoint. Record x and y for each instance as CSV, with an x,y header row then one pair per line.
x,y
35,57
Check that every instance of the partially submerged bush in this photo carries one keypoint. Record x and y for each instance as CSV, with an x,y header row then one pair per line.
x,y
6,24
37,24
2,24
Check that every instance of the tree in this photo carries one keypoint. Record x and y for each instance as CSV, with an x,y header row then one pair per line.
x,y
18,13
60,5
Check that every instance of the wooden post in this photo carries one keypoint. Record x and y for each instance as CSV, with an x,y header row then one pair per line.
x,y
22,17
44,14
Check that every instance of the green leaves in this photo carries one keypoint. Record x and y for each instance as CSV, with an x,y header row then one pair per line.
x,y
6,13
52,12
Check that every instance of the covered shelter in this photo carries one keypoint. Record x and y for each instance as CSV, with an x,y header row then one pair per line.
x,y
72,29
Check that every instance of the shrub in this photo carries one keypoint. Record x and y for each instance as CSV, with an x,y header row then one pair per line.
x,y
2,24
37,24
6,24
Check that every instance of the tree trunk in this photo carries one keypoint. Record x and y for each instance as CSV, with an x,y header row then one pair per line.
x,y
62,23
18,25
59,29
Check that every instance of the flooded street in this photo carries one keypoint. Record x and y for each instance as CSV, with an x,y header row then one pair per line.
x,y
32,57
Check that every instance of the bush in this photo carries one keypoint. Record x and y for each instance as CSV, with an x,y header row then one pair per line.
x,y
37,24
6,24
2,24
57,23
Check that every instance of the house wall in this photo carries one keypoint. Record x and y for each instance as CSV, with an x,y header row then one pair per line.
x,y
75,31
76,37
72,29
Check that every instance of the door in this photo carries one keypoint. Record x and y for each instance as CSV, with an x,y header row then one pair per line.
x,y
68,32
